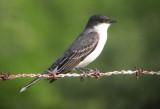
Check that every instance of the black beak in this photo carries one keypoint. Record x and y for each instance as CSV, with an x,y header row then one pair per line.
x,y
112,21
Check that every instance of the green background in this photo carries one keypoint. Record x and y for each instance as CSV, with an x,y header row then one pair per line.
x,y
35,33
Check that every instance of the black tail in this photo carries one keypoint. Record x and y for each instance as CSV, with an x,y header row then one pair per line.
x,y
30,84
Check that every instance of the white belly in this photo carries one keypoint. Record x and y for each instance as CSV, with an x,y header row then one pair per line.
x,y
96,52
102,30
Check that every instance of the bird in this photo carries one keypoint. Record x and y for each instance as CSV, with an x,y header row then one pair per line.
x,y
84,50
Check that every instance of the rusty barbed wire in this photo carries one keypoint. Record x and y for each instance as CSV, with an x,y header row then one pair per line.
x,y
137,72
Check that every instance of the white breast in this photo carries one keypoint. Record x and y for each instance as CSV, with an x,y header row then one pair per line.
x,y
102,30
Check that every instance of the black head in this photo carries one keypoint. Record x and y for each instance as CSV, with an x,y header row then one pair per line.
x,y
98,19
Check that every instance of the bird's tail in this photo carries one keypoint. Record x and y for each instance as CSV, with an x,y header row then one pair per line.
x,y
30,84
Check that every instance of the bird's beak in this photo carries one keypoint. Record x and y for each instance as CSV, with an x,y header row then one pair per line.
x,y
112,21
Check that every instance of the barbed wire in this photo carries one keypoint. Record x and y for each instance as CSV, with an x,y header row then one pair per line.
x,y
137,72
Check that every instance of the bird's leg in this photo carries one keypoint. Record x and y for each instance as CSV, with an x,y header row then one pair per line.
x,y
95,71
97,74
84,71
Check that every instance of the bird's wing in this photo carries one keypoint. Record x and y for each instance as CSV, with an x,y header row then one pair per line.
x,y
77,52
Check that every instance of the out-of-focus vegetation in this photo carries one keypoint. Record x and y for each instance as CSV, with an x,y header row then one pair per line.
x,y
35,33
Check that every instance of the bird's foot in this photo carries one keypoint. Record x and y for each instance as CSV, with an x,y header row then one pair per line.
x,y
83,76
97,74
85,72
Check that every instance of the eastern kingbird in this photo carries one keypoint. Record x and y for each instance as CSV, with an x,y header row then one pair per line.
x,y
85,49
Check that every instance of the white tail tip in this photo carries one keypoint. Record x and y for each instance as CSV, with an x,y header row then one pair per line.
x,y
23,89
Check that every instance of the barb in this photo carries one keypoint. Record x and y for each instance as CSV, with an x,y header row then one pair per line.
x,y
137,72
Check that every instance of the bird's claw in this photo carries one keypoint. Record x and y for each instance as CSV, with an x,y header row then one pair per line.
x,y
83,76
85,72
97,74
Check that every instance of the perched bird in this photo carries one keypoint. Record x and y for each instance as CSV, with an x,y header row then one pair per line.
x,y
85,49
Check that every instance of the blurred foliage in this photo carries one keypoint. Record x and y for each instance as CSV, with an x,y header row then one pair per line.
x,y
34,33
